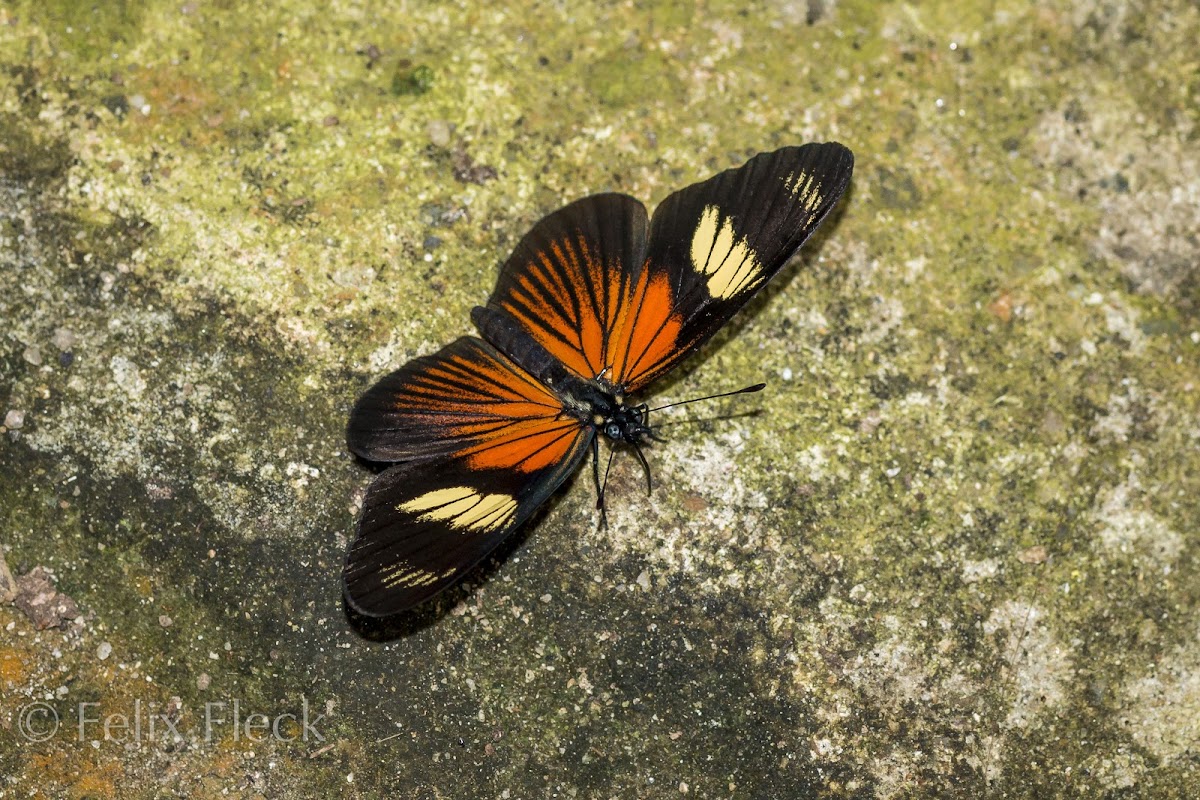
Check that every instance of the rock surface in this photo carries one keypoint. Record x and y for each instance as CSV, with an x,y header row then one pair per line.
x,y
954,554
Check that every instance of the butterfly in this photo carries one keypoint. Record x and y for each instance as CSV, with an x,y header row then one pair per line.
x,y
596,302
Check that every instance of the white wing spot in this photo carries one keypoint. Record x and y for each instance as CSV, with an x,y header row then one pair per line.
x,y
717,252
463,508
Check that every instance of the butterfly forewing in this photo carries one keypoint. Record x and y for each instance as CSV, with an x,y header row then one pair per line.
x,y
480,445
569,281
425,525
600,296
716,243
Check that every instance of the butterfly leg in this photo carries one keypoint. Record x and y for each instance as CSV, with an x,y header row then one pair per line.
x,y
649,482
643,413
596,478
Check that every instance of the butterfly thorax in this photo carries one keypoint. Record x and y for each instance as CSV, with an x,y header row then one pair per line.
x,y
603,409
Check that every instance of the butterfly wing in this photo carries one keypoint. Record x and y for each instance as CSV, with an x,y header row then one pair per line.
x,y
599,294
480,446
567,285
713,245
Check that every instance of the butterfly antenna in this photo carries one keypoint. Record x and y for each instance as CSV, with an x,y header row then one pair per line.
x,y
758,387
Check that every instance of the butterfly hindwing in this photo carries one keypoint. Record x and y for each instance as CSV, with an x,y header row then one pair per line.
x,y
599,295
479,445
576,296
461,400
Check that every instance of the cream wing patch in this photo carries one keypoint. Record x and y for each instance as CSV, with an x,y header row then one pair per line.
x,y
401,574
806,189
463,508
729,263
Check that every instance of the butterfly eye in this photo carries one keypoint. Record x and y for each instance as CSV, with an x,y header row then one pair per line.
x,y
612,430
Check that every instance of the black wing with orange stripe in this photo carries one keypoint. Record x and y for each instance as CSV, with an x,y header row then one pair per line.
x,y
604,296
479,445
720,241
467,400
576,294
569,280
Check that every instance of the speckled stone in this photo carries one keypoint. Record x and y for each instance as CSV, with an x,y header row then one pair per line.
x,y
952,553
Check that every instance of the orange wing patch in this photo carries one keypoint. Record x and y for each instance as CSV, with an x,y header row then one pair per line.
x,y
646,335
588,315
505,419
570,301
527,446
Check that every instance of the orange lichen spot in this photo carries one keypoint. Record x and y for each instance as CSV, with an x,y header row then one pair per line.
x,y
226,758
173,92
172,95
40,762
99,781
14,670
1002,307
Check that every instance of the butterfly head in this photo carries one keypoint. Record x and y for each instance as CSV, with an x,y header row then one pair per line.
x,y
620,422
602,407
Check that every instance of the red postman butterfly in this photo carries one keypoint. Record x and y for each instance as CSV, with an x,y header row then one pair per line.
x,y
594,304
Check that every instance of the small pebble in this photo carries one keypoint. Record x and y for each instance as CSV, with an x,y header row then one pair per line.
x,y
439,132
14,419
63,339
203,681
33,355
1034,555
643,580
165,621
103,651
